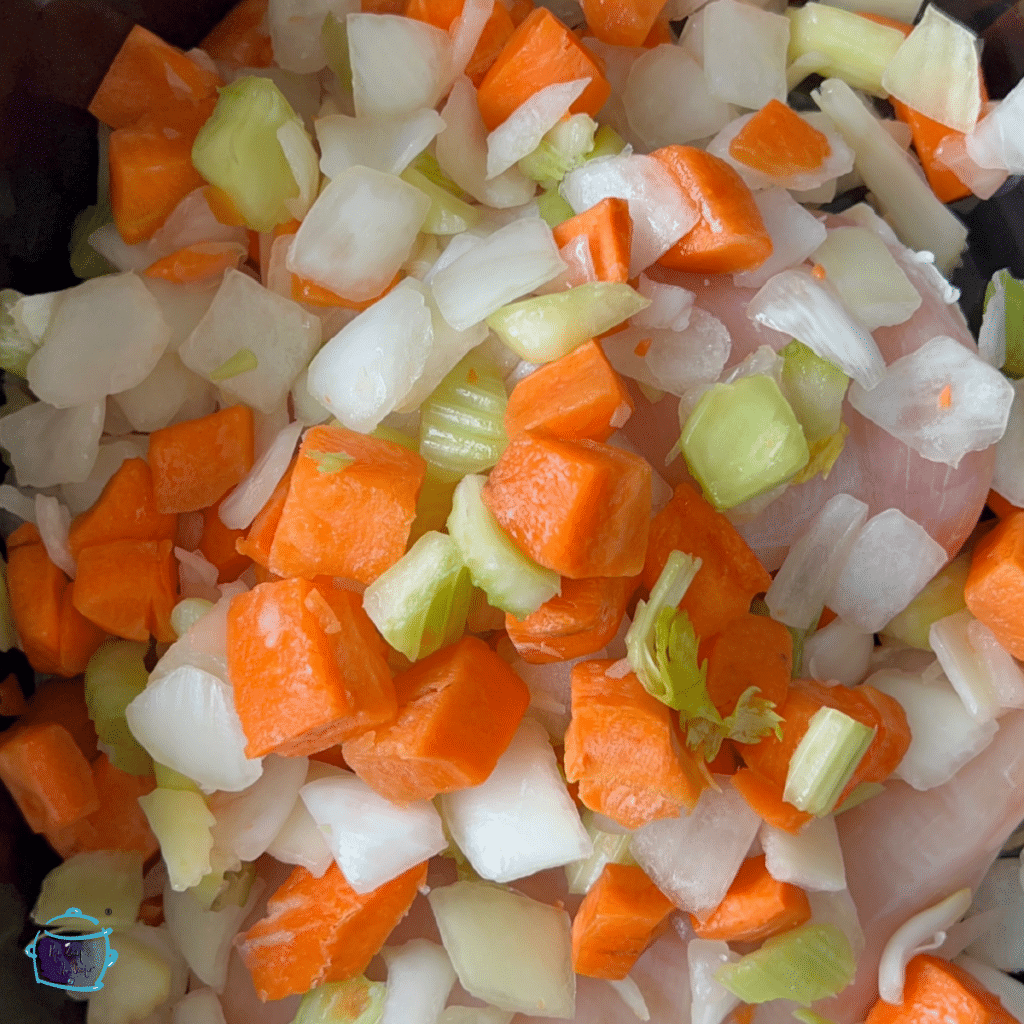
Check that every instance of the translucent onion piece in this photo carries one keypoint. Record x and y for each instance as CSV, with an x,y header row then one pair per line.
x,y
420,976
794,303
299,840
465,32
171,393
712,1002
937,71
183,306
200,1006
387,144
629,992
197,576
661,212
952,153
241,506
811,859
304,164
992,333
54,521
80,496
745,53
18,504
51,446
1007,478
1009,990
107,241
359,232
996,141
949,640
910,401
669,309
1002,668
192,222
840,653
294,27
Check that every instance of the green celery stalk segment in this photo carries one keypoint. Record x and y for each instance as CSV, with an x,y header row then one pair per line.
x,y
115,676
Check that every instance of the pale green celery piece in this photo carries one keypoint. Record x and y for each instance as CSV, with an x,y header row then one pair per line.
x,y
385,433
426,163
419,605
512,581
355,1001
8,634
168,778
607,142
856,50
186,613
220,888
329,462
182,824
609,848
548,327
115,676
941,596
334,38
242,361
825,760
137,983
743,439
105,884
237,150
823,455
860,794
805,964
462,423
85,261
814,388
810,1017
16,347
1014,365
563,147
553,208
434,504
448,215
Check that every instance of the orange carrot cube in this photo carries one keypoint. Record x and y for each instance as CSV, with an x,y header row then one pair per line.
x,y
241,36
752,650
777,141
217,546
995,584
256,543
608,229
622,24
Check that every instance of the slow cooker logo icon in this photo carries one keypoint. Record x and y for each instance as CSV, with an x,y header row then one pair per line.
x,y
63,958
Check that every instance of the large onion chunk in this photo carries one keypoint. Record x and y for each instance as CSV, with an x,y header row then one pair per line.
x,y
52,446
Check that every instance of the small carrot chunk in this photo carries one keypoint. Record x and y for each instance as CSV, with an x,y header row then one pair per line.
x,y
297,663
496,31
47,775
304,290
770,756
618,919
318,930
1000,505
126,510
608,229
197,263
623,750
63,701
350,520
764,798
730,575
195,463
575,397
257,541
129,588
217,546
578,621
778,142
623,24
241,37
756,907
578,507
540,52
752,650
12,700
730,235
458,710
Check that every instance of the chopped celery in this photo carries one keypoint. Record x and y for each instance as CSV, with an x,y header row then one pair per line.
x,y
553,208
805,964
420,603
334,39
815,389
825,760
181,822
942,596
548,327
810,1017
860,794
354,1001
462,423
242,361
8,634
855,49
743,439
427,165
85,261
1014,291
609,848
512,581
238,151
139,982
434,504
386,433
186,613
448,215
115,676
329,462
564,147
607,142
168,778
16,346
823,455
105,884
221,889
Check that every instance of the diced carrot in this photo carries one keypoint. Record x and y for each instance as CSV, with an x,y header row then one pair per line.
x,y
927,134
63,701
730,235
752,650
540,52
289,227
881,19
458,710
80,639
765,799
217,546
622,23
827,616
770,756
1000,505
777,141
253,247
756,907
608,229
195,463
622,748
520,10
149,75
575,397
937,990
350,604
661,32
578,507
352,521
578,621
118,823
618,919
726,761
126,510
743,1014
318,930
47,775
304,290
298,664
496,32
257,541
222,207
730,575
12,700
129,588
240,36
195,263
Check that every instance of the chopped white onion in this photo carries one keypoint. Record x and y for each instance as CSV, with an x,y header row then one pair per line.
x,y
812,859
80,496
465,32
629,992
711,1001
192,221
386,144
54,520
299,840
51,446
171,393
1002,668
304,164
420,976
18,504
1007,479
793,303
795,234
295,26
1009,990
196,575
996,141
839,652
992,333
183,306
669,309
242,505
1002,945
952,153
200,1006
107,241
942,400
948,638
